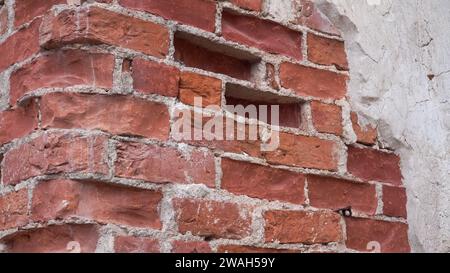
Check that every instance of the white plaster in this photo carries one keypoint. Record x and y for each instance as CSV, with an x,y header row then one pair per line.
x,y
392,47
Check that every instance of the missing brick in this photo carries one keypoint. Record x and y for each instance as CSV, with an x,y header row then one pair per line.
x,y
204,54
289,108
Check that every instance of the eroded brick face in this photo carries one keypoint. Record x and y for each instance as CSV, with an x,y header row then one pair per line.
x,y
88,141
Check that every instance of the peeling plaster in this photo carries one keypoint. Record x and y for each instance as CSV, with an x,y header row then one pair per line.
x,y
399,54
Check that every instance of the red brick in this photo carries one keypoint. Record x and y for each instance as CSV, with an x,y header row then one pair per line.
x,y
27,10
251,249
14,209
392,237
303,151
128,244
155,78
164,164
327,51
255,5
312,17
20,46
265,35
190,247
54,239
63,69
367,135
53,154
271,76
327,118
198,13
193,85
99,26
115,114
308,81
213,219
333,193
193,55
262,182
290,227
374,165
3,20
18,122
394,202
62,199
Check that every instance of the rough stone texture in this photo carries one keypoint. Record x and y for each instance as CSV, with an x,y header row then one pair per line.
x,y
302,227
62,199
54,239
262,182
120,115
213,219
408,98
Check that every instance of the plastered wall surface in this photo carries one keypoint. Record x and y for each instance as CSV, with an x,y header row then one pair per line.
x,y
399,54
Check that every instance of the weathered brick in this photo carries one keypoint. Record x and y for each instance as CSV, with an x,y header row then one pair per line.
x,y
14,209
18,122
303,227
190,247
303,151
54,239
255,5
99,26
312,17
128,244
115,114
155,78
262,182
394,201
194,85
197,56
374,165
308,81
62,199
212,219
20,46
54,153
27,10
327,118
164,164
3,20
202,16
63,69
333,193
265,35
327,51
251,249
392,237
365,135
271,76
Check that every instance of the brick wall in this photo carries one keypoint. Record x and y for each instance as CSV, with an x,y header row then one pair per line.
x,y
89,161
